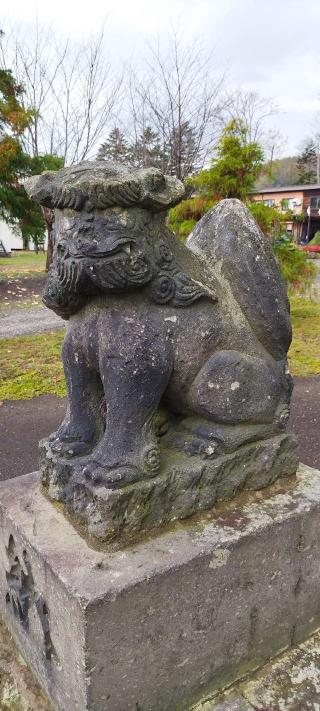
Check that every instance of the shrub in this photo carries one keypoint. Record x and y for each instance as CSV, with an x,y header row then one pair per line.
x,y
269,219
315,241
184,216
182,228
299,273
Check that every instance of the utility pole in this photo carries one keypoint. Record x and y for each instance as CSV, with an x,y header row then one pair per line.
x,y
309,216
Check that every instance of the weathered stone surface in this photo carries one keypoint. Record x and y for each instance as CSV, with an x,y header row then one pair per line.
x,y
291,682
97,185
165,622
19,690
228,236
232,702
184,486
168,345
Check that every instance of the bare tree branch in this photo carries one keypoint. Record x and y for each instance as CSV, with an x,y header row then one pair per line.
x,y
253,110
181,99
71,88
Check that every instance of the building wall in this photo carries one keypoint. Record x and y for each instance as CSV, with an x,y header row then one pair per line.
x,y
9,238
12,240
296,198
299,204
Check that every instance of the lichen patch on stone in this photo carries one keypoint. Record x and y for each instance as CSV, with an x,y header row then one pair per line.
x,y
220,558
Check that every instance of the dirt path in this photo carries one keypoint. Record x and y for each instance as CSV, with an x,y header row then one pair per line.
x,y
23,321
21,290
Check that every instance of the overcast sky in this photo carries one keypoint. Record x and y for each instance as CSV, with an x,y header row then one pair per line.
x,y
272,47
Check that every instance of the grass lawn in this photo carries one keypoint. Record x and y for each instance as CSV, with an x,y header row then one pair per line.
x,y
31,365
22,265
304,354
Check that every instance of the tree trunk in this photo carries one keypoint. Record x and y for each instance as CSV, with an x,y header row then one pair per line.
x,y
48,216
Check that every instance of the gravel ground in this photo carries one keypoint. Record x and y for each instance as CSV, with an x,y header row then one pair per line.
x,y
24,321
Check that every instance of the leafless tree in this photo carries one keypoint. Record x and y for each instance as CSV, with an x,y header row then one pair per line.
x,y
70,86
273,143
253,110
180,96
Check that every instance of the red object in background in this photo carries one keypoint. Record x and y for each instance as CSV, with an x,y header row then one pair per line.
x,y
311,248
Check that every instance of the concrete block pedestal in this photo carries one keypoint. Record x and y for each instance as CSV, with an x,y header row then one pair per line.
x,y
162,623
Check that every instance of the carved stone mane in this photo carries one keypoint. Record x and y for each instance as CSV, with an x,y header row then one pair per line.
x,y
102,184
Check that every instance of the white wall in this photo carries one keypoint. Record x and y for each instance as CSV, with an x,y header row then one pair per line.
x,y
13,241
9,239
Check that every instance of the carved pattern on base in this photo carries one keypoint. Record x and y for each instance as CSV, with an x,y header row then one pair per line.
x,y
22,594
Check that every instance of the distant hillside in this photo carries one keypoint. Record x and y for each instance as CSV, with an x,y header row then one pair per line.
x,y
283,172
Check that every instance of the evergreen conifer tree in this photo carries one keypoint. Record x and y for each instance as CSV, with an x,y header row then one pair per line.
x,y
115,148
307,164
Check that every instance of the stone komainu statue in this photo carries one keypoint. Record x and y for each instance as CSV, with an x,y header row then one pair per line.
x,y
175,355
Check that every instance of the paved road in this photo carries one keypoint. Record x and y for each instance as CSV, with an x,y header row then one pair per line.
x,y
23,321
24,422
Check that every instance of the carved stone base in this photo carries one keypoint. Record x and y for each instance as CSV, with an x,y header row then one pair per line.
x,y
184,486
166,622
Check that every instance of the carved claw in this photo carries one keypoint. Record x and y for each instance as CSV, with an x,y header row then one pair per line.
x,y
112,478
71,448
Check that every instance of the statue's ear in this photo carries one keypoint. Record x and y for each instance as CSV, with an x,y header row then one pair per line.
x,y
188,290
171,285
178,289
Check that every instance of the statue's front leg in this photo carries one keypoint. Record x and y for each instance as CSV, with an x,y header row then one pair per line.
x,y
83,423
135,373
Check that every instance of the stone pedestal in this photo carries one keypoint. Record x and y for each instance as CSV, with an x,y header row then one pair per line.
x,y
158,625
185,485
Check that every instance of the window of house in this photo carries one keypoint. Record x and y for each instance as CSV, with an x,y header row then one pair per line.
x,y
315,203
269,203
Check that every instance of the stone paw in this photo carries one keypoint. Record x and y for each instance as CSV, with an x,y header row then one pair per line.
x,y
112,478
53,436
69,449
